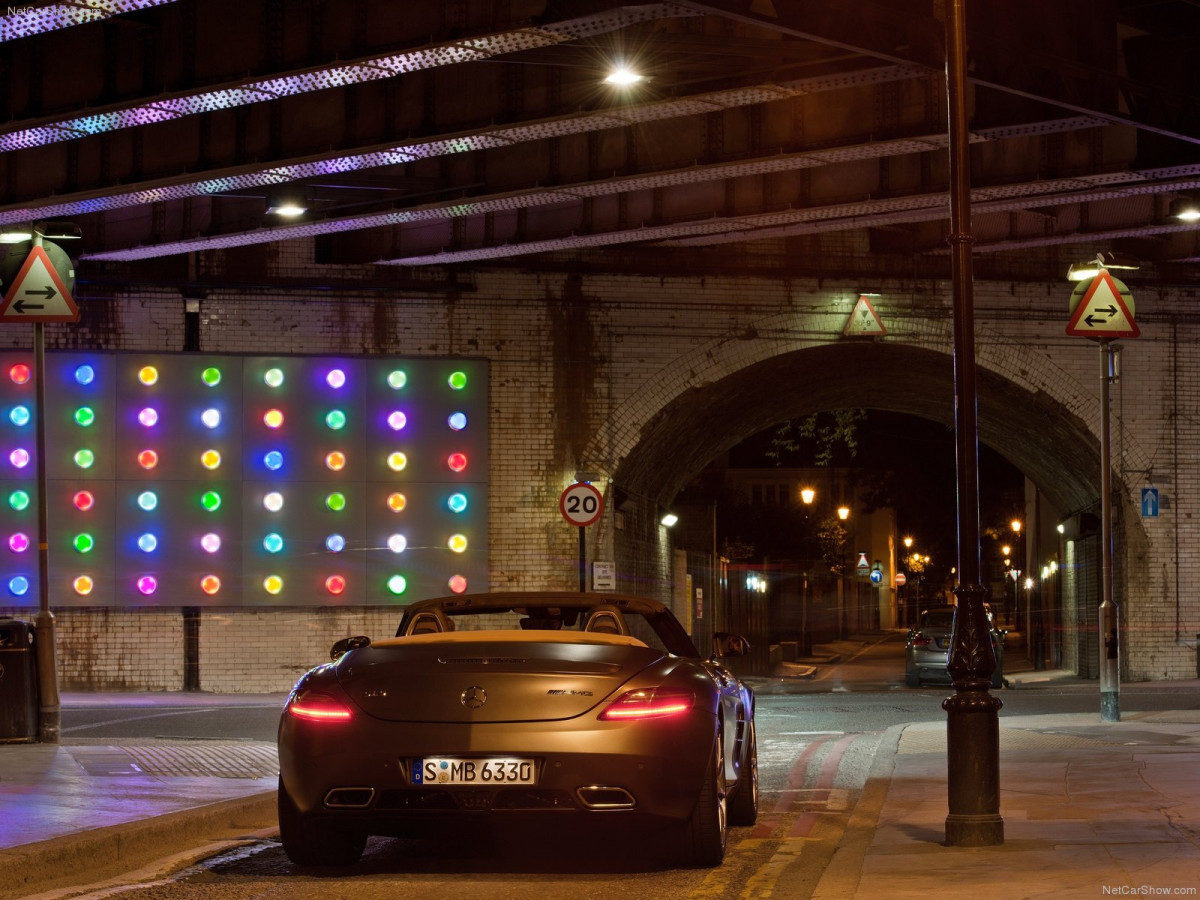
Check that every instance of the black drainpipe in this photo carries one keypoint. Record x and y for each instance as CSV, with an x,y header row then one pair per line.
x,y
191,614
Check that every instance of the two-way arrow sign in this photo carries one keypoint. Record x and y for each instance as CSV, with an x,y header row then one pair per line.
x,y
1102,311
38,294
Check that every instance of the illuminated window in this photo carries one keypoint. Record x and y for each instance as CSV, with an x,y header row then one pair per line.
x,y
336,420
20,457
396,502
457,584
211,376
19,542
83,543
335,461
147,542
336,501
397,420
335,584
336,378
457,542
18,500
457,502
457,381
335,543
273,459
210,542
273,584
397,379
272,418
19,416
210,584
210,459
397,584
84,374
397,461
272,543
273,501
147,500
457,421
85,459
147,584
210,501
457,461
397,543
18,585
147,459
83,585
84,500
85,416
211,418
273,378
148,375
19,373
148,416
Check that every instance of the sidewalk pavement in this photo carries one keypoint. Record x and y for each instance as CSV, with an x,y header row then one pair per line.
x,y
1089,809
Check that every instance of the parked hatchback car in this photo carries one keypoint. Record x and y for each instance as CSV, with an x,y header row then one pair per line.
x,y
927,651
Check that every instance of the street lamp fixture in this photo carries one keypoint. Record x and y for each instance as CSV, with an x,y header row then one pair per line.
x,y
1083,271
843,513
1016,525
908,542
807,494
669,519
1185,209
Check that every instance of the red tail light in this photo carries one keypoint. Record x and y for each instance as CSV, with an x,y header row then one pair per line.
x,y
316,707
649,703
919,640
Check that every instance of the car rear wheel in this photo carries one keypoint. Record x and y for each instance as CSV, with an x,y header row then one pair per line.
x,y
706,831
309,844
743,805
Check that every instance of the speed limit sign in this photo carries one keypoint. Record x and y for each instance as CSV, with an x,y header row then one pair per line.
x,y
581,504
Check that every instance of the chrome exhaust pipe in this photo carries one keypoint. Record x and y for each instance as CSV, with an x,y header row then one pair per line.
x,y
600,797
350,797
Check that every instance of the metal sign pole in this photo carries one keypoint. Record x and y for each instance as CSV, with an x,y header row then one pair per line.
x,y
49,710
1109,620
582,560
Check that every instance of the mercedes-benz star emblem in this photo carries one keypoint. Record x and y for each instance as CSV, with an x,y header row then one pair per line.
x,y
473,697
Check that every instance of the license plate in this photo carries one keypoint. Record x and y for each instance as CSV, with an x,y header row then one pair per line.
x,y
456,770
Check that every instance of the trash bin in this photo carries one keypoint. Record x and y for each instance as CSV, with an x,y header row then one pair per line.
x,y
18,683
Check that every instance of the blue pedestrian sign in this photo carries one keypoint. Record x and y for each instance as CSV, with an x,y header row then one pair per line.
x,y
1150,502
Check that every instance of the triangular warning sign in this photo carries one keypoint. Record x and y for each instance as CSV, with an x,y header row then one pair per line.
x,y
1103,313
38,294
863,320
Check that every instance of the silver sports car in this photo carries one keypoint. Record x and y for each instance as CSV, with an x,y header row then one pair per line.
x,y
521,707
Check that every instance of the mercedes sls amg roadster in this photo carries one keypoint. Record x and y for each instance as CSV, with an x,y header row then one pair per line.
x,y
563,708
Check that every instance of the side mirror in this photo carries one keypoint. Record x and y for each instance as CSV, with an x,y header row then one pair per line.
x,y
726,644
345,645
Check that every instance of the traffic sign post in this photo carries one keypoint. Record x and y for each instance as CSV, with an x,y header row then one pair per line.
x,y
581,504
39,293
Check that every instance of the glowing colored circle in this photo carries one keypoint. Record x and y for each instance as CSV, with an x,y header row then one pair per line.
x,y
19,373
273,501
210,459
19,542
457,502
336,461
397,584
273,459
84,500
457,421
397,543
211,376
210,584
84,374
211,542
457,381
335,584
457,584
336,378
147,543
397,461
20,457
273,584
335,543
397,420
18,585
18,500
85,458
19,416
396,502
272,543
147,459
273,377
210,501
336,419
397,379
457,461
148,416
336,501
83,585
457,543
148,375
211,418
147,584
83,543
147,500
85,416
272,418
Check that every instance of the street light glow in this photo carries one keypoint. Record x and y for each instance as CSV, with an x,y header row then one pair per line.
x,y
807,494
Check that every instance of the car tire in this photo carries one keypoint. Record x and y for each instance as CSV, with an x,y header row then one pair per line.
x,y
743,805
706,831
309,844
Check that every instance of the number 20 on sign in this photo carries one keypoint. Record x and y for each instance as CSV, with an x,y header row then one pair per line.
x,y
581,504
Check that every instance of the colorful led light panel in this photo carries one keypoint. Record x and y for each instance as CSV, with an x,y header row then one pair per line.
x,y
122,533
